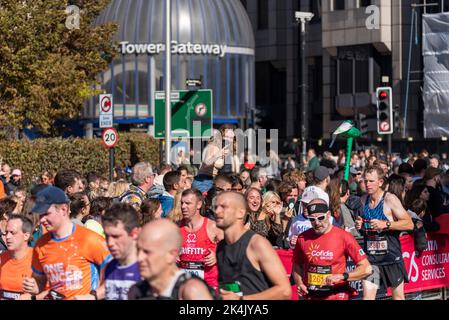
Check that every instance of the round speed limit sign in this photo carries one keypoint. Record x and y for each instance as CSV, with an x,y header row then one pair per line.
x,y
110,137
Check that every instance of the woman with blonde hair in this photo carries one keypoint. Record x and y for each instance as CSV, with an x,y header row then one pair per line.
x,y
175,214
222,145
267,222
117,188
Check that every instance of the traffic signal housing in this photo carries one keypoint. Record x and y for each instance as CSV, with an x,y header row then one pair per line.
x,y
385,123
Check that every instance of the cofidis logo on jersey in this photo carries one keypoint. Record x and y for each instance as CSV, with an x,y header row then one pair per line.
x,y
314,253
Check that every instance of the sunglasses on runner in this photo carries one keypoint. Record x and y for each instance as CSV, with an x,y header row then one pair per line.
x,y
320,218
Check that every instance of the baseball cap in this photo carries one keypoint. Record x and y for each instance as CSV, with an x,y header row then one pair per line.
x,y
312,193
317,208
16,172
321,173
431,172
354,171
47,197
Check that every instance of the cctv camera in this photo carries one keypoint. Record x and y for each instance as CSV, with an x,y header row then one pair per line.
x,y
307,16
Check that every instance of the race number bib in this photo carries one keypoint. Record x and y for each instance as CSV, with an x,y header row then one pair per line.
x,y
377,245
9,295
193,267
316,277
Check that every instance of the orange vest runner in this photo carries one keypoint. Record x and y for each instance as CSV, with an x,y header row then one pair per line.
x,y
72,264
12,273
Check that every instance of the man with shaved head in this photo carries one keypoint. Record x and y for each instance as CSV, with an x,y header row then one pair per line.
x,y
248,266
158,247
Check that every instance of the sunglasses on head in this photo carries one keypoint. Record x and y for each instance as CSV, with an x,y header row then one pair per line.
x,y
320,218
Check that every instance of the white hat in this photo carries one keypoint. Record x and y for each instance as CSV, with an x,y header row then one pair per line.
x,y
16,172
312,193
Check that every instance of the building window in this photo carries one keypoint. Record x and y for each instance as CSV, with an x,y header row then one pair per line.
x,y
262,15
345,76
338,5
440,6
315,8
363,3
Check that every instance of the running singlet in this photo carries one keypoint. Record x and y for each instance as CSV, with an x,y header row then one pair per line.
x,y
195,248
236,270
324,255
118,279
383,247
12,273
71,264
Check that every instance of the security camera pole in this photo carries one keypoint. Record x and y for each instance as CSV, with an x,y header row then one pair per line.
x,y
303,17
167,80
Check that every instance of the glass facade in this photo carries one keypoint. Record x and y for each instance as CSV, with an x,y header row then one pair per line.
x,y
219,43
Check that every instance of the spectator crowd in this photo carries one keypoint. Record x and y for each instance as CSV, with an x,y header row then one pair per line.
x,y
170,231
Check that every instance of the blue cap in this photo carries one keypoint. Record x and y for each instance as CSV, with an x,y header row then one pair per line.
x,y
47,197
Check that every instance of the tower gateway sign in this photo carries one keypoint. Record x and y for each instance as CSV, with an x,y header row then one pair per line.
x,y
176,48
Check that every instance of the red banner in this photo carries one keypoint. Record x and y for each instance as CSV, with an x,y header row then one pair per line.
x,y
286,257
431,269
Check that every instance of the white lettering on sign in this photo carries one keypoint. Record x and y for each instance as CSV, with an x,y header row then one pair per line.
x,y
70,279
176,48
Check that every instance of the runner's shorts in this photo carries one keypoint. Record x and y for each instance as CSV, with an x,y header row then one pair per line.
x,y
390,276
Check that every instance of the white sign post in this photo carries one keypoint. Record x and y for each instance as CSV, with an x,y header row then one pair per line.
x,y
106,111
110,138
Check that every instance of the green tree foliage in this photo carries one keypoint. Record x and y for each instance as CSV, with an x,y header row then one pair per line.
x,y
34,157
47,69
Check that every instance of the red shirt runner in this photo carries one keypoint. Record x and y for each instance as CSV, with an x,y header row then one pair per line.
x,y
195,248
323,255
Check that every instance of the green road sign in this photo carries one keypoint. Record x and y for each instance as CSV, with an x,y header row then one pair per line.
x,y
191,114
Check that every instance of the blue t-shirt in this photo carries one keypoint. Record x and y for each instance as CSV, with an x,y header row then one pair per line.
x,y
118,279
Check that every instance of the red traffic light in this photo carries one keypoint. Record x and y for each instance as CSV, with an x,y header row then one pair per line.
x,y
383,95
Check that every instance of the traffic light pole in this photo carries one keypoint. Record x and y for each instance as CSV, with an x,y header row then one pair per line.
x,y
389,143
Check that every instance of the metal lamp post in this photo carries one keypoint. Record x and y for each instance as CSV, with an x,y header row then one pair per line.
x,y
167,80
303,17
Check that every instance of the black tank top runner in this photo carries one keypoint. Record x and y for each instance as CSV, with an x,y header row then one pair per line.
x,y
233,265
394,253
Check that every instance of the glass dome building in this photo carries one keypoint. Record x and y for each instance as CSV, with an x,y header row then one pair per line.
x,y
211,39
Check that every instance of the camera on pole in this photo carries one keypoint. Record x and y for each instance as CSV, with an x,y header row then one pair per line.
x,y
384,97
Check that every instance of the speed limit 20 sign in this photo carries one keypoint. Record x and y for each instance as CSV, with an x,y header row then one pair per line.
x,y
110,137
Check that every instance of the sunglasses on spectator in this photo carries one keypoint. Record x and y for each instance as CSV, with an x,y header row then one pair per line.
x,y
320,218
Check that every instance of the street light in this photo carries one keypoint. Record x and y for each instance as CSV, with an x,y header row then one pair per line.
x,y
167,80
303,17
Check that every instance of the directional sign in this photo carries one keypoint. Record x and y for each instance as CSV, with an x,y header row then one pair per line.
x,y
191,114
110,137
106,111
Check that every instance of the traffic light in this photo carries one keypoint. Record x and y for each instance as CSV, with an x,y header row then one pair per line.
x,y
363,124
384,97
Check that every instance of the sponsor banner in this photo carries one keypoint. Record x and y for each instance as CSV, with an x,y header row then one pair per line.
x,y
431,269
286,257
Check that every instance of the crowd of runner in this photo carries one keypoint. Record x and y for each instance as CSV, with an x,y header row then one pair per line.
x,y
213,231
